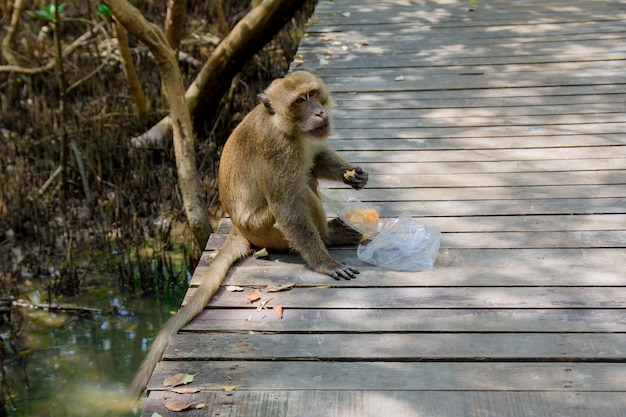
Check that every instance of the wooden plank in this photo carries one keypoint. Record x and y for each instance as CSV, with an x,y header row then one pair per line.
x,y
525,207
386,403
486,192
418,376
581,103
454,297
580,223
297,320
458,66
493,180
570,110
574,93
514,142
390,347
480,131
460,29
454,267
427,155
417,82
581,168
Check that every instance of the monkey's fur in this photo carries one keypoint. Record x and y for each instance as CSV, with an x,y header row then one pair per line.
x,y
268,180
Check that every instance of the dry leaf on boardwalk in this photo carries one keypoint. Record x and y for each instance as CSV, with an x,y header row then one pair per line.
x,y
279,311
178,379
254,295
262,305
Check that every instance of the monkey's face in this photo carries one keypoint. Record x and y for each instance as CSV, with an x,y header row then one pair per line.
x,y
312,116
299,104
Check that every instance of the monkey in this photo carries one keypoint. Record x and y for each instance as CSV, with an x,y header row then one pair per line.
x,y
268,184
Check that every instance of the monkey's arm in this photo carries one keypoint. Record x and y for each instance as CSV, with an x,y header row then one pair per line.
x,y
330,166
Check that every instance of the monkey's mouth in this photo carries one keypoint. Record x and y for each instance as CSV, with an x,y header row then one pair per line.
x,y
320,130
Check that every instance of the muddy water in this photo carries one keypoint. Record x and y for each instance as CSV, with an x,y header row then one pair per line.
x,y
65,365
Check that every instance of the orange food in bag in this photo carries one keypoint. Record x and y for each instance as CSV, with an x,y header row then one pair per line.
x,y
365,220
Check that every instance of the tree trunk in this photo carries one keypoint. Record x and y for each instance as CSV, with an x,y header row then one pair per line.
x,y
175,21
165,59
252,32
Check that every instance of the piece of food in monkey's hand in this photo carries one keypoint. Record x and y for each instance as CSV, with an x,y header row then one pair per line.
x,y
349,175
364,220
355,177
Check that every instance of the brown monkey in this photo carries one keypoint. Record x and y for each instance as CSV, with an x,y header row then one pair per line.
x,y
268,180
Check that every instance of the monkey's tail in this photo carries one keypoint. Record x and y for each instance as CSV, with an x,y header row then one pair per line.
x,y
235,247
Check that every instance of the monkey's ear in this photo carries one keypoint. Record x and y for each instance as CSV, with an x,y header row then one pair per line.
x,y
266,102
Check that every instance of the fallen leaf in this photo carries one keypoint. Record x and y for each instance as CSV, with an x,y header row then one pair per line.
x,y
261,253
279,311
327,38
400,78
279,287
262,305
352,93
229,388
177,405
200,406
345,14
254,295
178,379
234,288
323,61
155,414
297,62
361,43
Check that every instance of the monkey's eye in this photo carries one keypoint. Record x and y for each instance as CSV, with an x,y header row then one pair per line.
x,y
300,100
312,93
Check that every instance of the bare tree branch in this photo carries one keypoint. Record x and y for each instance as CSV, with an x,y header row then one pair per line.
x,y
252,32
165,59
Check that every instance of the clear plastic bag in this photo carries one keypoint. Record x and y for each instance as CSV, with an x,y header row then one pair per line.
x,y
402,244
352,211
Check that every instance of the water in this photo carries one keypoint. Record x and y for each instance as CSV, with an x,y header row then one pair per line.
x,y
65,365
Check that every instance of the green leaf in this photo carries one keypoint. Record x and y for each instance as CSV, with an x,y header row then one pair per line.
x,y
44,15
104,9
62,7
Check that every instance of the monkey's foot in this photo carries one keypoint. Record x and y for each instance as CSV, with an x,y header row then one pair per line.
x,y
339,234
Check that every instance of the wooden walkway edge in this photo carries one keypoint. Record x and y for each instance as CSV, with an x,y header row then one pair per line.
x,y
503,124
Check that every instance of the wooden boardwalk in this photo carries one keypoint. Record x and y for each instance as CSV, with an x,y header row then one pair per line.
x,y
503,124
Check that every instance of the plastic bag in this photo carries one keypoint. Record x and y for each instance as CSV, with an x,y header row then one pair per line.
x,y
402,244
353,212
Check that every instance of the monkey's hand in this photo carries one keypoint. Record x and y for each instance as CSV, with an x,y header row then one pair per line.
x,y
338,271
356,178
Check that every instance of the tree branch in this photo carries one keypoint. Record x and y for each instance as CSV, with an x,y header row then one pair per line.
x,y
165,59
249,35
